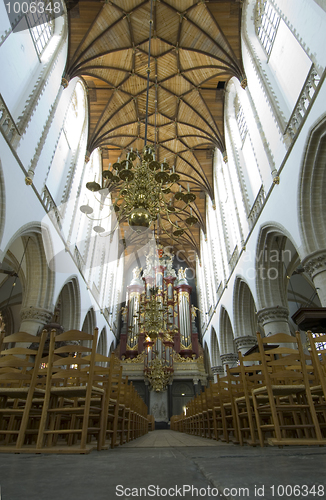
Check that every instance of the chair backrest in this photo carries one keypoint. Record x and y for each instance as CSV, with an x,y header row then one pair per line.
x,y
319,357
19,365
72,362
288,365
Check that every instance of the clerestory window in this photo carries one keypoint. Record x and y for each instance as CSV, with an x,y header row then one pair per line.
x,y
268,21
41,24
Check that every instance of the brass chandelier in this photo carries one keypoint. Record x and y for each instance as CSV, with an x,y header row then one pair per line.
x,y
144,192
140,187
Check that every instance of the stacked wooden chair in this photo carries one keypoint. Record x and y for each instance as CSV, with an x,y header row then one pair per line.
x,y
289,415
70,390
71,401
19,389
250,371
318,355
277,396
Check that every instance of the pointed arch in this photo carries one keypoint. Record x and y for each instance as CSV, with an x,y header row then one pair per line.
x,y
226,333
102,347
215,350
68,305
89,321
312,188
245,319
276,258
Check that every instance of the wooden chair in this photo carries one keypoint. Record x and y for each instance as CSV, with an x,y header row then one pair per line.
x,y
107,376
18,388
207,413
289,416
151,422
214,412
318,391
252,377
228,388
67,412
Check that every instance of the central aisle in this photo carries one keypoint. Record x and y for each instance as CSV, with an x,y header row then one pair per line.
x,y
170,439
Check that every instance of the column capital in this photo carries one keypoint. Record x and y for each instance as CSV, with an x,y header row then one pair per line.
x,y
272,314
217,370
245,342
315,263
37,314
229,359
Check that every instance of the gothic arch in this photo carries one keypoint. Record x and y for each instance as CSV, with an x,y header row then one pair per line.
x,y
226,333
111,350
215,350
312,187
28,247
68,305
245,319
102,347
89,325
89,322
207,363
276,258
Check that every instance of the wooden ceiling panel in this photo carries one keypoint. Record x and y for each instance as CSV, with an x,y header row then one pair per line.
x,y
166,24
177,85
180,5
140,28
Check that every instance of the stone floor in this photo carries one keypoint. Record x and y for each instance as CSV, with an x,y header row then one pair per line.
x,y
167,464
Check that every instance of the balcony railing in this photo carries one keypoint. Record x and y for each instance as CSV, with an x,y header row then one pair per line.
x,y
51,207
256,207
8,126
303,103
79,260
234,259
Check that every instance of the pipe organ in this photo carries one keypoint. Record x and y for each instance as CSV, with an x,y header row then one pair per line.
x,y
159,345
172,322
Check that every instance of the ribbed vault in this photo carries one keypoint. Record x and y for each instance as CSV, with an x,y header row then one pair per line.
x,y
195,49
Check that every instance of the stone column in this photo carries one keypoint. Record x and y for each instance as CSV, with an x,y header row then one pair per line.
x,y
274,320
245,343
33,319
230,359
315,265
217,370
196,386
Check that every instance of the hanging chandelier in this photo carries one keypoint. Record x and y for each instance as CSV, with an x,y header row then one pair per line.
x,y
144,193
144,190
158,375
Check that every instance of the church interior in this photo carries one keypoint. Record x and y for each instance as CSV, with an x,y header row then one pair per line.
x,y
163,246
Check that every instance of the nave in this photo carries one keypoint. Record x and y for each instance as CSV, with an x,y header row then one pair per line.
x,y
167,459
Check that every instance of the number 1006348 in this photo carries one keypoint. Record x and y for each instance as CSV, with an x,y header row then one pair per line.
x,y
22,8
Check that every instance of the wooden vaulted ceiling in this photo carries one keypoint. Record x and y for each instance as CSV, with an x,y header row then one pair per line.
x,y
195,50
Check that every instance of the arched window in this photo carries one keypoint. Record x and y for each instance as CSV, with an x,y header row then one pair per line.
x,y
250,170
41,28
70,140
